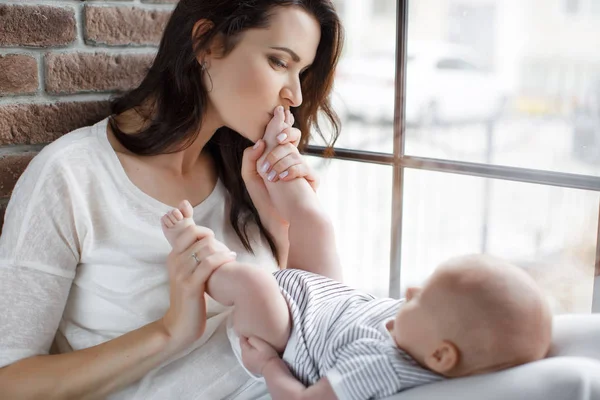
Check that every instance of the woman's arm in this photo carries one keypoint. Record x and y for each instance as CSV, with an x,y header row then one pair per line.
x,y
269,216
95,372
92,373
302,231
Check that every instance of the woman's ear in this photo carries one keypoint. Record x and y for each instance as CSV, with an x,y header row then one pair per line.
x,y
444,358
201,27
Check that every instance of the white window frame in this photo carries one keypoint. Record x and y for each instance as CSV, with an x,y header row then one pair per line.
x,y
399,161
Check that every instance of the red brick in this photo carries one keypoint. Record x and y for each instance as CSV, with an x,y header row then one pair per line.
x,y
124,25
11,168
84,72
19,74
43,123
38,26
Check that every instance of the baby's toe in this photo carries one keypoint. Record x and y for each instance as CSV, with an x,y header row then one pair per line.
x,y
166,221
176,215
186,209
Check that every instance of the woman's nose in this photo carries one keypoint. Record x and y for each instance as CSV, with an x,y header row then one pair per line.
x,y
293,94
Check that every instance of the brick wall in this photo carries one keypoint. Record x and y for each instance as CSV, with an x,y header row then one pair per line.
x,y
59,63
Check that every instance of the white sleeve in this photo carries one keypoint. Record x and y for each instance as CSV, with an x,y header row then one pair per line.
x,y
39,252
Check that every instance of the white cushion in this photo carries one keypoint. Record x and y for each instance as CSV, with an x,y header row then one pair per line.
x,y
572,372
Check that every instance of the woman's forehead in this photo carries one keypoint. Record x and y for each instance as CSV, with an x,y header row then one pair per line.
x,y
291,28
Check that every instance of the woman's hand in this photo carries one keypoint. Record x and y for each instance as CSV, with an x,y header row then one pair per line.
x,y
185,320
282,158
256,353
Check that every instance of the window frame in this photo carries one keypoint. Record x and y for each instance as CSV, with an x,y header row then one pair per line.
x,y
399,161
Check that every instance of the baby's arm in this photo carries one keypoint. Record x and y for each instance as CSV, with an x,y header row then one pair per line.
x,y
311,236
283,385
262,359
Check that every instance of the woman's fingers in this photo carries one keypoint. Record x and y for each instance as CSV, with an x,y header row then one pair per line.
x,y
208,265
289,167
278,153
189,236
203,248
298,171
185,261
289,135
286,163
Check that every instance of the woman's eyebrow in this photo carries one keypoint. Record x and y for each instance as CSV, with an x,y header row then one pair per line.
x,y
295,56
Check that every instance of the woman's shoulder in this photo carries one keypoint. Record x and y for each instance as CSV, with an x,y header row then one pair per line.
x,y
84,139
65,161
74,150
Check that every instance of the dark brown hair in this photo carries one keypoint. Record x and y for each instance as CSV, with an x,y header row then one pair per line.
x,y
178,97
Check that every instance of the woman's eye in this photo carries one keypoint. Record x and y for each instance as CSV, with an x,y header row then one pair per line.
x,y
277,62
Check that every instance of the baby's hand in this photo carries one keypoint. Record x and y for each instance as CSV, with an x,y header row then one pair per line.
x,y
256,353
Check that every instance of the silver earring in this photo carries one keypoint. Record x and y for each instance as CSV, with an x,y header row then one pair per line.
x,y
203,69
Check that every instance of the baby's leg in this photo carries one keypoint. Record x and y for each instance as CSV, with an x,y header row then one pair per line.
x,y
259,308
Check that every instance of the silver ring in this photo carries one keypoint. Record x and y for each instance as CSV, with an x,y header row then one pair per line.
x,y
195,257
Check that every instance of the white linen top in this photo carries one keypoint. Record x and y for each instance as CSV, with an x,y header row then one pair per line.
x,y
82,253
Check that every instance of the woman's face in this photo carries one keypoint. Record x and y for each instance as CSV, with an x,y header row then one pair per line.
x,y
263,71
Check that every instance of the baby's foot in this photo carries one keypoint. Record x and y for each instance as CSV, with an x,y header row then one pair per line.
x,y
276,126
177,220
274,133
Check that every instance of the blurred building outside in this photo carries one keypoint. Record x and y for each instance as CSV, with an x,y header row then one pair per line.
x,y
543,54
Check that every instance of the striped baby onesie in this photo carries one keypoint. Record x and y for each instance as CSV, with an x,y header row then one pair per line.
x,y
339,333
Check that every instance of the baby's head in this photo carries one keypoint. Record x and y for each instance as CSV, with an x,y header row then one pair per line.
x,y
475,314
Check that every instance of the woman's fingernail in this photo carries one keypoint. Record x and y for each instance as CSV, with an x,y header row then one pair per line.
x,y
271,175
283,174
233,254
281,137
256,145
265,167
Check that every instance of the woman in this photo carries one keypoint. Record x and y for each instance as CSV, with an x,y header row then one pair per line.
x,y
82,254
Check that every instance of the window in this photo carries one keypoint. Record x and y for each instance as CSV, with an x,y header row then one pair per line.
x,y
455,64
571,6
384,7
501,159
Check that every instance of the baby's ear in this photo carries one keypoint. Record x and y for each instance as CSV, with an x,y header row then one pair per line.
x,y
390,325
444,358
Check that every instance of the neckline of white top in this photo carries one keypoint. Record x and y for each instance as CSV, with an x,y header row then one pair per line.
x,y
207,204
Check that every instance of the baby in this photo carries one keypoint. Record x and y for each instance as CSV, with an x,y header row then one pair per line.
x,y
310,335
